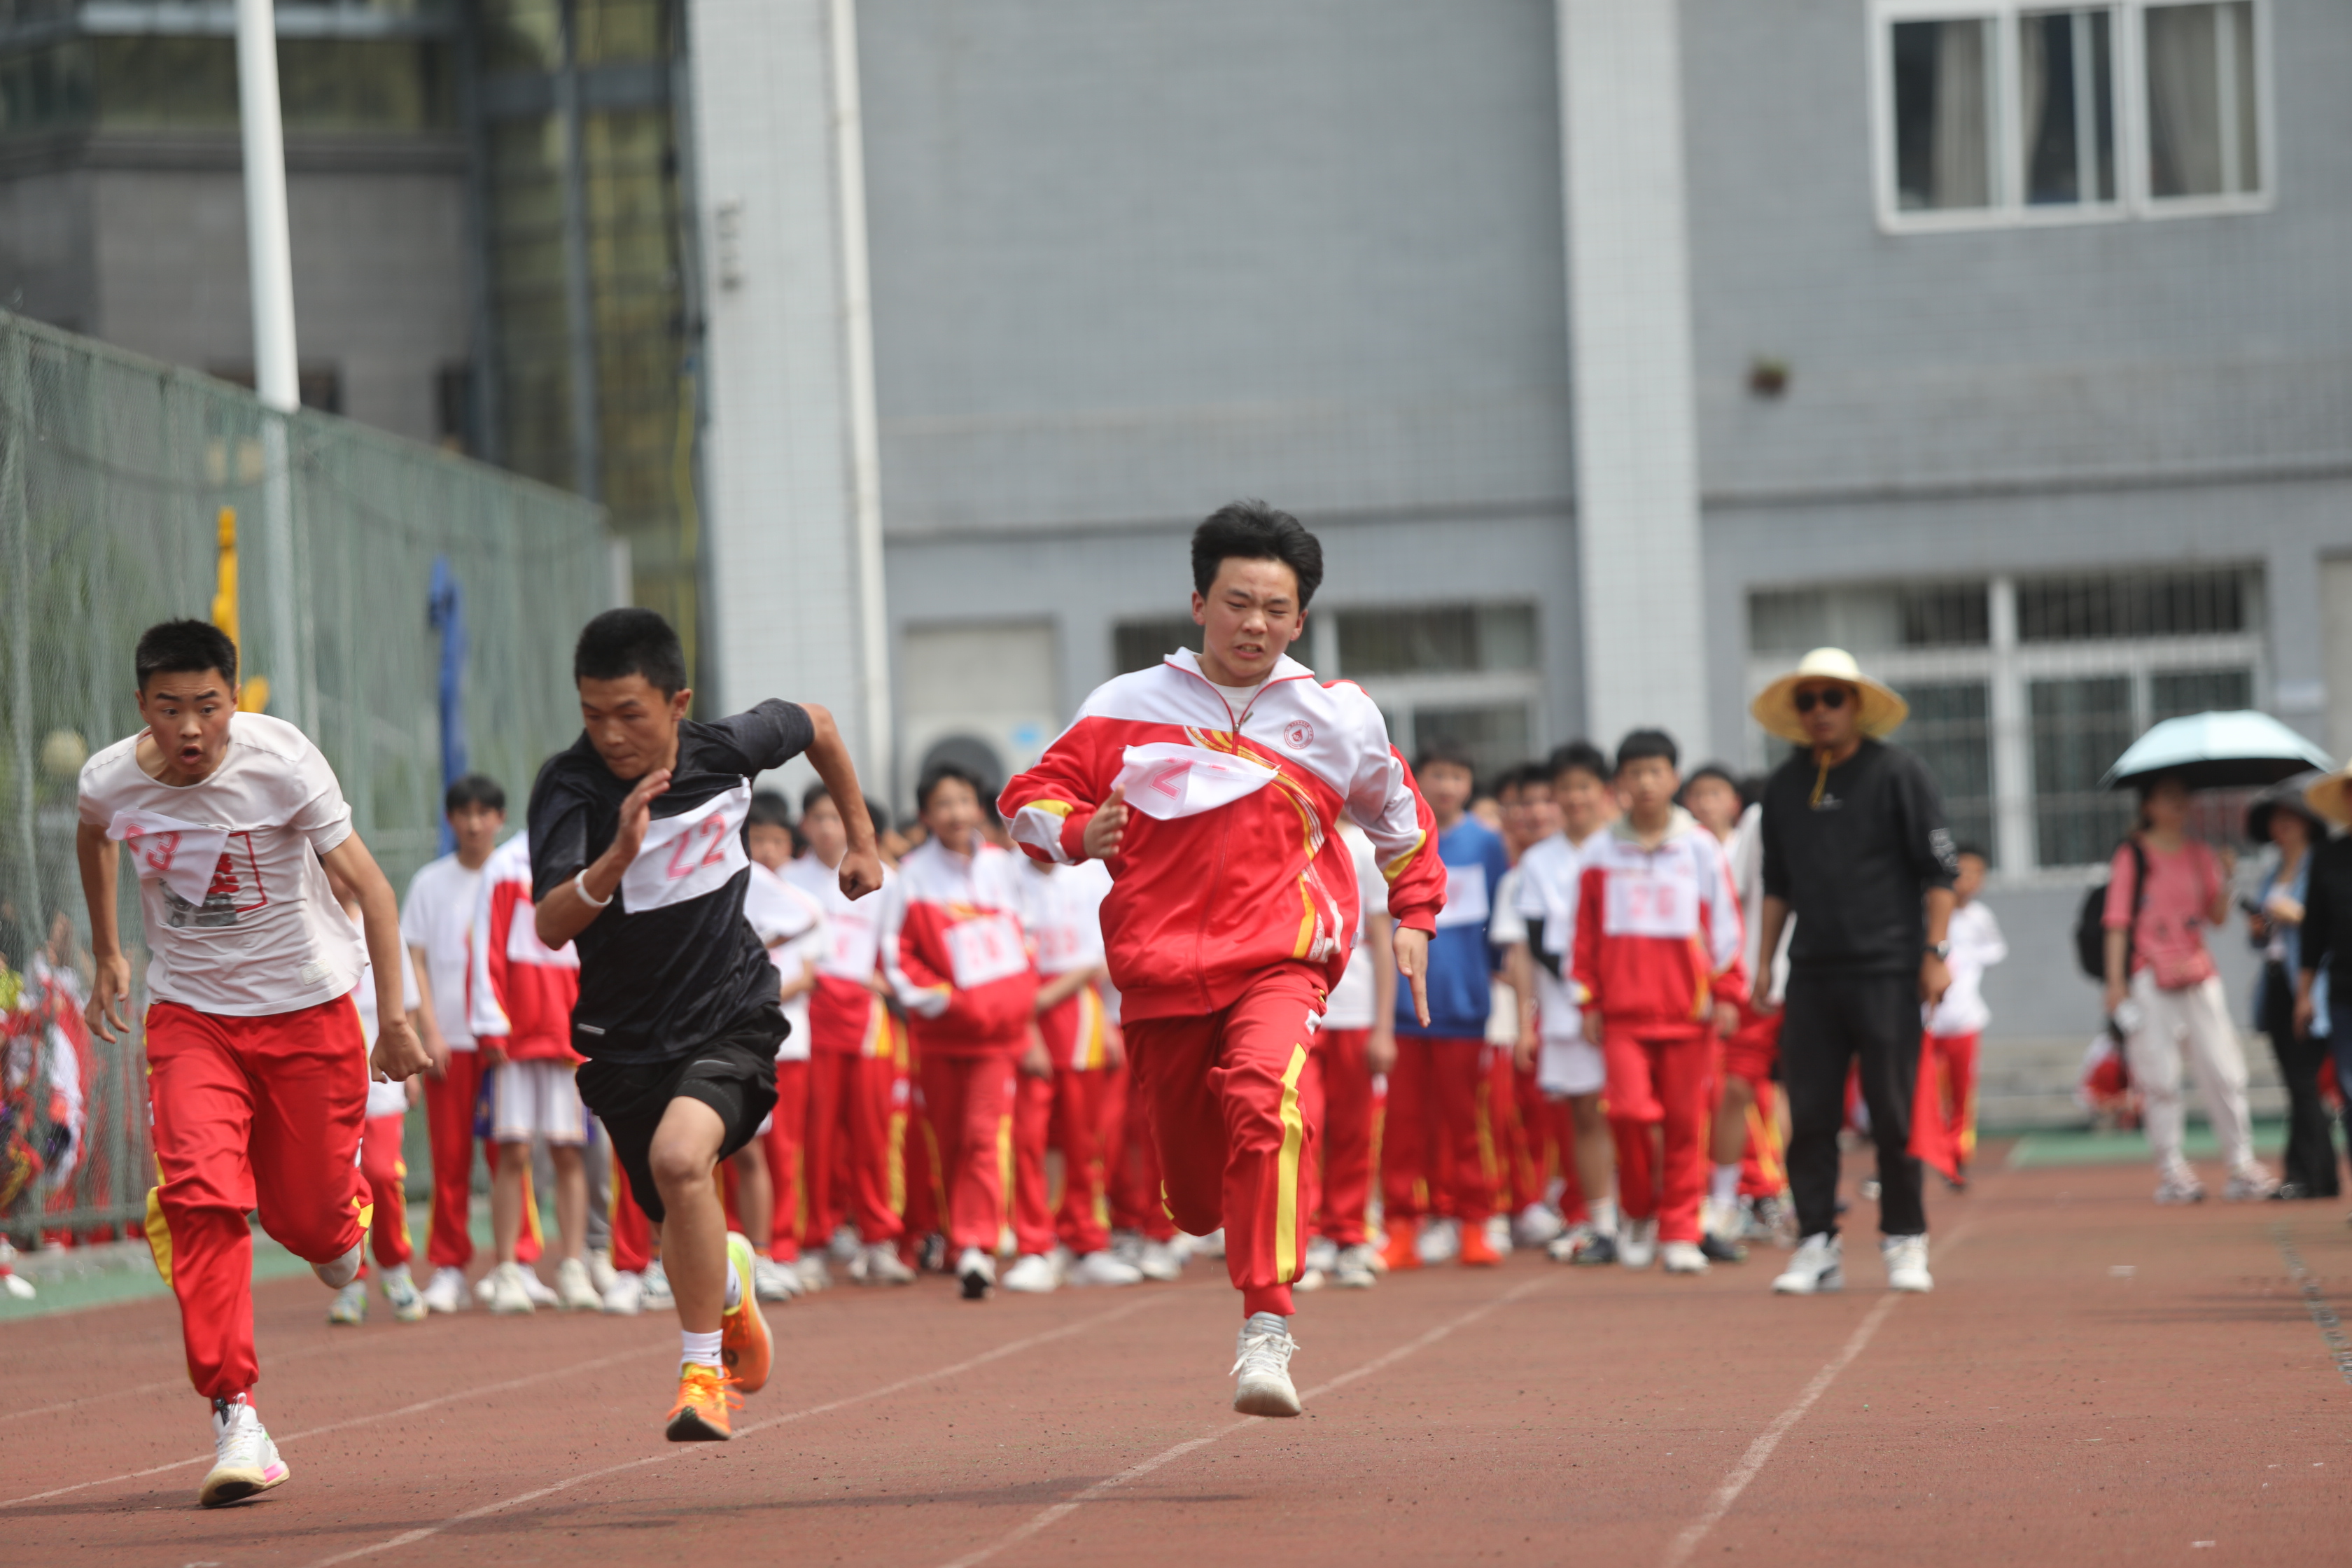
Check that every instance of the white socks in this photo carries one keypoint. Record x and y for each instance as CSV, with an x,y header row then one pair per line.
x,y
700,1349
1724,1186
1602,1212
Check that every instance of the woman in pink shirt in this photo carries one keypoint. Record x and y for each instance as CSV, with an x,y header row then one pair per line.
x,y
2163,992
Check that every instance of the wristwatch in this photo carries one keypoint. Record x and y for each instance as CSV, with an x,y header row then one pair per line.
x,y
1940,949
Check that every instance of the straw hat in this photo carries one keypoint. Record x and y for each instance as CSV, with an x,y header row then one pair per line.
x,y
2328,794
1775,707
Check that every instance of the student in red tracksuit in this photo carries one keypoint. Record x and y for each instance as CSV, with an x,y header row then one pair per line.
x,y
1213,784
769,1172
1658,956
953,948
256,1076
380,1164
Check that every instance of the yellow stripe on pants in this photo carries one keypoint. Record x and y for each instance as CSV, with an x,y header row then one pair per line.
x,y
1285,1171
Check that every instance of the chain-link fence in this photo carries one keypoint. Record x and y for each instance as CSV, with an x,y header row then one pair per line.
x,y
114,475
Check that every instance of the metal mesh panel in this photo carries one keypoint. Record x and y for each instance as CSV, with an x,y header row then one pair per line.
x,y
113,473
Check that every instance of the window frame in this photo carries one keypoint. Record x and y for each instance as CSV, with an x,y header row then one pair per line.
x,y
2134,195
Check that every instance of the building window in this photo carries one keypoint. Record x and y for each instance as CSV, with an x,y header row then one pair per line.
x,y
2080,726
2009,111
1464,674
1139,645
1951,730
2105,605
1444,640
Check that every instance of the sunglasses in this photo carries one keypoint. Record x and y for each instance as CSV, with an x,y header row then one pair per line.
x,y
1830,697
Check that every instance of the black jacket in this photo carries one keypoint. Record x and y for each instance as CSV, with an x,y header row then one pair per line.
x,y
2328,913
1855,864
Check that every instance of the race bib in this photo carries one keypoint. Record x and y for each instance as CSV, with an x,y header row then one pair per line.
x,y
1060,947
984,948
1651,906
854,942
690,854
1167,779
180,854
1465,897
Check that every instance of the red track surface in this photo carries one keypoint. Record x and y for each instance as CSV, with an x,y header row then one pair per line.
x,y
2039,1407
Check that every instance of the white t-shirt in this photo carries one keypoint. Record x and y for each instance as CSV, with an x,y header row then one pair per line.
x,y
440,917
854,926
262,933
1061,910
791,926
1977,946
1506,927
1548,874
1354,1003
384,1099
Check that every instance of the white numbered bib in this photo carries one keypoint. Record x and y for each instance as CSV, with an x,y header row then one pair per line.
x,y
1465,897
1651,906
690,854
984,948
853,941
180,854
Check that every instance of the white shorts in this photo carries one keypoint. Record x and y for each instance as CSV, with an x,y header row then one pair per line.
x,y
1571,1068
531,1101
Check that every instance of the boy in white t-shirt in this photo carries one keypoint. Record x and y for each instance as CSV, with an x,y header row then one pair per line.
x,y
257,1072
769,1175
1955,1022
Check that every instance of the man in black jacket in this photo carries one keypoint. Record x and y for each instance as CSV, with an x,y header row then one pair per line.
x,y
1856,849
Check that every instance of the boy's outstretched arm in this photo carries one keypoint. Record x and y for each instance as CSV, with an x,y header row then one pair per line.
x,y
861,866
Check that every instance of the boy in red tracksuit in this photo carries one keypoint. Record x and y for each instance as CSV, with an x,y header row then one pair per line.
x,y
955,952
1213,784
1658,966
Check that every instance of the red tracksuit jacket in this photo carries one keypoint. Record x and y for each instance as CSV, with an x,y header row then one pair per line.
x,y
1658,930
1208,888
521,992
953,951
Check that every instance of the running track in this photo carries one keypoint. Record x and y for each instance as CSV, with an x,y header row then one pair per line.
x,y
2094,1381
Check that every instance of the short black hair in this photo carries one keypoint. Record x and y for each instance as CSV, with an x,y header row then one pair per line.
x,y
622,643
1640,743
184,647
1535,773
1714,771
940,773
1450,754
770,809
474,789
1578,754
1252,531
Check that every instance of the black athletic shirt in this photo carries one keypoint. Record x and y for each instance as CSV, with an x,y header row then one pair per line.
x,y
657,985
1855,866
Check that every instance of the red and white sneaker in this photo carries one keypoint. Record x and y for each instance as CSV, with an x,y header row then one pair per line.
x,y
245,1461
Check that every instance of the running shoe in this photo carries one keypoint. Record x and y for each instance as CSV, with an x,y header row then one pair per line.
x,y
350,1305
976,1272
17,1286
1538,1224
1477,1250
574,1291
1637,1243
1103,1268
1440,1241
1498,1234
1717,1249
814,1274
1261,1372
1681,1258
2250,1183
245,1461
1906,1263
1033,1274
1158,1261
626,1298
338,1272
601,1272
542,1294
743,1342
509,1294
1818,1267
445,1292
705,1396
656,1292
1353,1269
1403,1251
774,1281
1596,1248
932,1254
401,1294
879,1264
2180,1186
1322,1254
842,1245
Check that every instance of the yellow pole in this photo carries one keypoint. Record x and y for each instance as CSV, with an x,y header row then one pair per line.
x,y
254,695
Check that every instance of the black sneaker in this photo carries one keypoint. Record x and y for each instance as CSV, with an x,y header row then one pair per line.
x,y
931,1256
1716,1249
1597,1249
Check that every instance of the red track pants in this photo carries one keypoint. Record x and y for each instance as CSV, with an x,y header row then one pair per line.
x,y
250,1113
787,1167
1033,1132
633,1233
1078,1112
1136,1202
386,1174
1223,1097
966,1101
1949,1062
1660,1080
848,1164
1438,1148
450,1108
1345,1081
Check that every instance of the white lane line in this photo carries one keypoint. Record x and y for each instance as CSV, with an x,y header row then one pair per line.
x,y
1046,1518
473,1393
1015,1347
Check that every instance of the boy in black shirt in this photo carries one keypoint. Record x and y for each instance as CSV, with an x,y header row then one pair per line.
x,y
637,853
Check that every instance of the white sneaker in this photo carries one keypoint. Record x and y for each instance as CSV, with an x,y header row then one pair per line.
x,y
2179,1185
657,1293
508,1292
1159,1260
1440,1241
542,1294
1354,1268
842,1244
1562,1248
1261,1372
1818,1266
1102,1268
1033,1274
1637,1242
447,1290
1682,1257
245,1461
1906,1263
574,1291
1210,1245
1322,1254
350,1305
336,1274
601,1272
1498,1234
626,1296
2249,1184
401,1293
17,1286
1538,1224
814,1274
976,1272
772,1281
881,1265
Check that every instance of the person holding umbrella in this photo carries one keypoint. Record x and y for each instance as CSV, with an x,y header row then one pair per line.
x,y
2298,1037
2323,952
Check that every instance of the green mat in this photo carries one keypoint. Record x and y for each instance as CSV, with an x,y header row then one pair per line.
x,y
2079,1146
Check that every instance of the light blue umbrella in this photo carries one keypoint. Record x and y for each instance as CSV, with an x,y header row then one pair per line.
x,y
2245,750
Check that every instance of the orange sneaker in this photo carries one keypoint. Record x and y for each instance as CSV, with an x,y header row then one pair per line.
x,y
705,1396
743,1342
1477,1252
1403,1251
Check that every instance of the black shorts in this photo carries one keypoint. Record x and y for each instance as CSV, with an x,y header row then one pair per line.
x,y
735,1074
